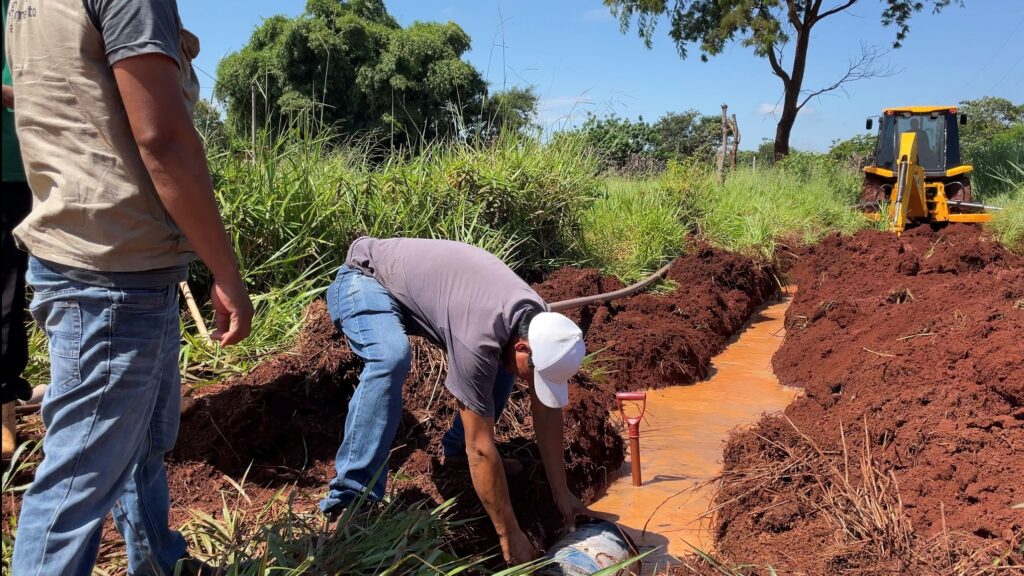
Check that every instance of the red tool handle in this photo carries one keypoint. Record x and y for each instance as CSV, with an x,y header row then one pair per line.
x,y
639,396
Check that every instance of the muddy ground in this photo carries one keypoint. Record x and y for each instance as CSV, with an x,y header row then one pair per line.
x,y
285,418
280,425
904,455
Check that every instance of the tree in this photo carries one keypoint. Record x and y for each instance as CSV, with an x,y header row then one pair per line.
x,y
690,134
617,139
209,124
512,110
854,151
767,26
988,119
354,67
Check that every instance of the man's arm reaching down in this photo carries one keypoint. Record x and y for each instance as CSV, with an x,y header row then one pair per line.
x,y
548,427
173,154
485,466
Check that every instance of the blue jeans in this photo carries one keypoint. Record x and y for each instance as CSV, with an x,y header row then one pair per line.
x,y
373,324
111,413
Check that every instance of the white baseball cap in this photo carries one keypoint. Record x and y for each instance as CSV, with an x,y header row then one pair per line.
x,y
557,347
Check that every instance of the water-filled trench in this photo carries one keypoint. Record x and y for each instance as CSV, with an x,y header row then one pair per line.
x,y
681,440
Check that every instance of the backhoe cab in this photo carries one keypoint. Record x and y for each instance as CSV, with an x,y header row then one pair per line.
x,y
917,175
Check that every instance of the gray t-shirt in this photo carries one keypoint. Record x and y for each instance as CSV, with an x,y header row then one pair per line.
x,y
461,297
136,27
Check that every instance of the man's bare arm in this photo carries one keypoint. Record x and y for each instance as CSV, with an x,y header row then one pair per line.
x,y
549,429
173,154
488,475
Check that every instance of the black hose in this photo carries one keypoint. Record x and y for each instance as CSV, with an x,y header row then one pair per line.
x,y
627,291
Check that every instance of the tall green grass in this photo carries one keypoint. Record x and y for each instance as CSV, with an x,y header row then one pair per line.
x,y
294,201
1007,225
997,169
632,229
799,199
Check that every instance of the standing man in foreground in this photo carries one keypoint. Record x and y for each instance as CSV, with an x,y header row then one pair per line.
x,y
493,327
123,202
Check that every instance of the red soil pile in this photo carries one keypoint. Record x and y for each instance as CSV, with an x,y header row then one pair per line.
x,y
285,418
913,346
280,425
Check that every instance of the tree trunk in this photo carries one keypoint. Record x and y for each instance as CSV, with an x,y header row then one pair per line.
x,y
793,85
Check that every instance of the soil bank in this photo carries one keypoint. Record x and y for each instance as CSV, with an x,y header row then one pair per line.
x,y
904,455
283,421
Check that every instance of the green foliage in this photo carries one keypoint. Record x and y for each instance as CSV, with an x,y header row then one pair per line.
x,y
996,165
989,119
634,228
351,63
294,203
617,139
1008,224
853,151
623,143
389,538
17,470
799,199
210,125
513,110
690,134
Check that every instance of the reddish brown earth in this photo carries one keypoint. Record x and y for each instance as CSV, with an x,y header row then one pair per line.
x,y
280,425
285,417
918,341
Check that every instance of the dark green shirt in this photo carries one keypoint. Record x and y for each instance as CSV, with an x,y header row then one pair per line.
x,y
13,170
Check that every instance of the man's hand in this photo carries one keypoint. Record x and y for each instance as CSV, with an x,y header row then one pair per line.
x,y
570,506
234,312
8,96
517,549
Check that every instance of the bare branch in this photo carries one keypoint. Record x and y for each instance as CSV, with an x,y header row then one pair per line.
x,y
835,10
869,64
777,67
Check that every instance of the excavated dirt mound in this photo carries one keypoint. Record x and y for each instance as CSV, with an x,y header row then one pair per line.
x,y
283,421
280,425
904,455
653,340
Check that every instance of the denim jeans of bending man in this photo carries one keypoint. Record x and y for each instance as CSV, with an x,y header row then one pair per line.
x,y
111,413
373,323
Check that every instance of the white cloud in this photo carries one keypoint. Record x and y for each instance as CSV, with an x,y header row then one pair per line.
x,y
766,109
599,14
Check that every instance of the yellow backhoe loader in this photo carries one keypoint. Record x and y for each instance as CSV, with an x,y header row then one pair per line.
x,y
916,175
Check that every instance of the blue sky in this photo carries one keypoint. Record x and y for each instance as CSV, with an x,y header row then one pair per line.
x,y
574,54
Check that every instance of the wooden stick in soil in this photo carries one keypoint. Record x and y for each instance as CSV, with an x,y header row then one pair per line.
x,y
193,309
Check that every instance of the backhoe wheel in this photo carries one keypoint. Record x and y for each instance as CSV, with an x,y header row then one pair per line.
x,y
875,189
959,190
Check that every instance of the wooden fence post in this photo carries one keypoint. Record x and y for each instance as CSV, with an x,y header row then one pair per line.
x,y
735,128
723,149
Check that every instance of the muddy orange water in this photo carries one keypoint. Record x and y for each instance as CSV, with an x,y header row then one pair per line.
x,y
682,436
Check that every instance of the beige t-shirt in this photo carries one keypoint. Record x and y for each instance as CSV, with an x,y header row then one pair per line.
x,y
95,206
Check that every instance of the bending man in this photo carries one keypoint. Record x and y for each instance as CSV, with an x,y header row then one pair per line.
x,y
493,327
